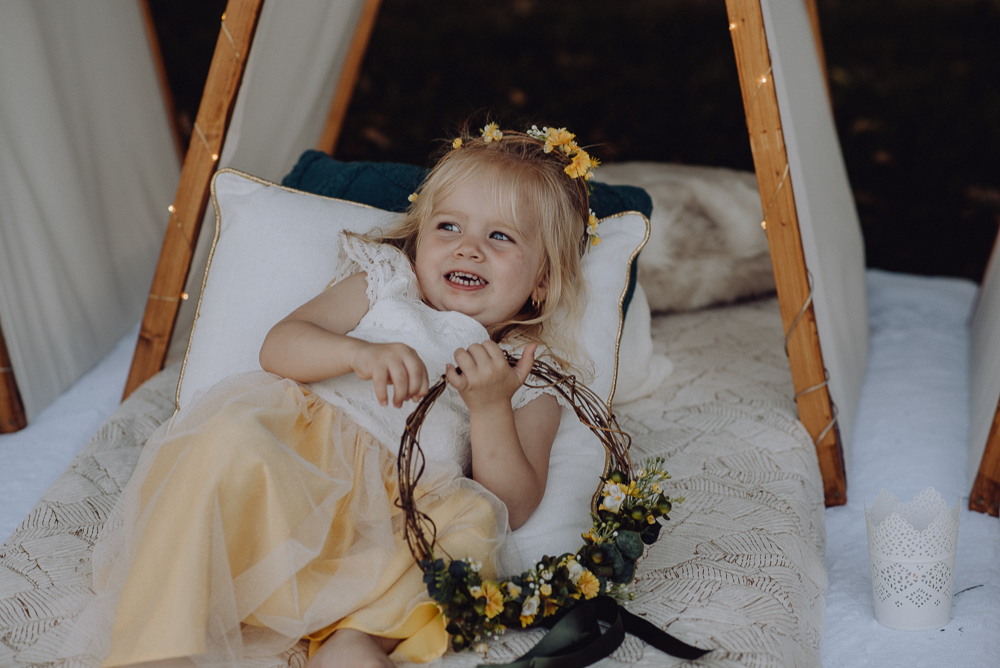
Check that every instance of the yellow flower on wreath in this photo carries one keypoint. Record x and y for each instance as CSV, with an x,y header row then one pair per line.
x,y
528,610
494,599
588,584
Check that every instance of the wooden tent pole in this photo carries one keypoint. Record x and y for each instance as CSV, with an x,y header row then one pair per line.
x,y
161,76
813,12
349,74
12,417
781,221
224,75
985,495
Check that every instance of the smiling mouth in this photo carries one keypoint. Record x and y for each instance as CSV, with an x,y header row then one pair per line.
x,y
465,279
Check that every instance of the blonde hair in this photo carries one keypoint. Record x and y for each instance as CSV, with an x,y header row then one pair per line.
x,y
524,176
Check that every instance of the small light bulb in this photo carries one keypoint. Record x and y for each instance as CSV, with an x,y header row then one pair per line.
x,y
732,26
184,296
763,79
170,208
763,224
223,16
215,156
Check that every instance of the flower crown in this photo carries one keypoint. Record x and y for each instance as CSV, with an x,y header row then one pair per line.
x,y
580,164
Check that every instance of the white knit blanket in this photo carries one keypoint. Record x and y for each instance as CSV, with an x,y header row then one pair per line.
x,y
739,567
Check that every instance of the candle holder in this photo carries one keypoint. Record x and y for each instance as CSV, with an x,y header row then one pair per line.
x,y
912,549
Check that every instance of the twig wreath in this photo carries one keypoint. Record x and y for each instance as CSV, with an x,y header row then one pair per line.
x,y
624,521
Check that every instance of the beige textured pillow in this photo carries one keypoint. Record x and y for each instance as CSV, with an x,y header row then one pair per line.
x,y
706,245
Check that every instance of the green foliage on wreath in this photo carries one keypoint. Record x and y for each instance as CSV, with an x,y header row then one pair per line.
x,y
626,520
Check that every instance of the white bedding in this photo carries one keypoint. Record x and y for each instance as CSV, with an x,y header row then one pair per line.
x,y
911,433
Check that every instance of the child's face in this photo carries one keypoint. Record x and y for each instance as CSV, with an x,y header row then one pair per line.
x,y
471,259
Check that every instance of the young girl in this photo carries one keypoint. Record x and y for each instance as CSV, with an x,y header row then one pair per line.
x,y
264,512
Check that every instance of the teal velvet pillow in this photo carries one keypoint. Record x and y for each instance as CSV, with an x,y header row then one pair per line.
x,y
387,185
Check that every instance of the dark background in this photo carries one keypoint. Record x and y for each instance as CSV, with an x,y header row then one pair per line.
x,y
915,86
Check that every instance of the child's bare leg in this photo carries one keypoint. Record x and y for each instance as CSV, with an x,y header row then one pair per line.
x,y
348,648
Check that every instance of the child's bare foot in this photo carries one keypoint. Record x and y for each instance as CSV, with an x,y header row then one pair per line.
x,y
348,648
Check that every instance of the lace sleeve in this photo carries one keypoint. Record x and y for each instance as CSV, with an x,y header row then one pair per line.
x,y
532,388
388,269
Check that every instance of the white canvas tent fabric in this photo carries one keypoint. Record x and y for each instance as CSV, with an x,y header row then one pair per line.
x,y
293,69
828,220
286,91
87,170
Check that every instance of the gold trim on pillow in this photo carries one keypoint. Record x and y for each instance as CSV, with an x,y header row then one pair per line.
x,y
608,458
621,298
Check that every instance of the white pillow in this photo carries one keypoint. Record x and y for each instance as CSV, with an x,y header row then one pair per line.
x,y
275,248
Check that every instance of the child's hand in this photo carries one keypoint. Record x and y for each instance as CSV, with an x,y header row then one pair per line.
x,y
484,378
394,364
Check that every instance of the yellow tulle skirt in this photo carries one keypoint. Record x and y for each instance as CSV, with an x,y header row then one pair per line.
x,y
262,516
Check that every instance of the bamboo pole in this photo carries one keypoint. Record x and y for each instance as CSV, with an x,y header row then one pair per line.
x,y
12,417
781,222
225,73
349,74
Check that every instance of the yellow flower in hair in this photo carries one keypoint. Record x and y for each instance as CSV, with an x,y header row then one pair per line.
x,y
582,165
492,133
413,197
560,137
494,599
592,236
457,143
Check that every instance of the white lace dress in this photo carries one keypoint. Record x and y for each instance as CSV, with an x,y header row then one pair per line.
x,y
264,512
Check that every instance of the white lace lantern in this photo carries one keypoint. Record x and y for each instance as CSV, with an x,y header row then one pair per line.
x,y
912,550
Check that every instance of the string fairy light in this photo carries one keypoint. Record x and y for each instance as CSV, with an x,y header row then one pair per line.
x,y
761,81
229,36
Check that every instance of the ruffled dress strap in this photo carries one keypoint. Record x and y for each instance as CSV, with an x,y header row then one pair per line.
x,y
389,271
531,389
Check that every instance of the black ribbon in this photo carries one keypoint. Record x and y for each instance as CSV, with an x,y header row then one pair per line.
x,y
575,639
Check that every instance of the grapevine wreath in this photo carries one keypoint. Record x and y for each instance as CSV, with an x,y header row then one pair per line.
x,y
568,593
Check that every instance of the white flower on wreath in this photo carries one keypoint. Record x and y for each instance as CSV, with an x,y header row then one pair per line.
x,y
614,495
530,606
576,569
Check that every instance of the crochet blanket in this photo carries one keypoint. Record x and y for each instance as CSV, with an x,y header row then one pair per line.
x,y
738,568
